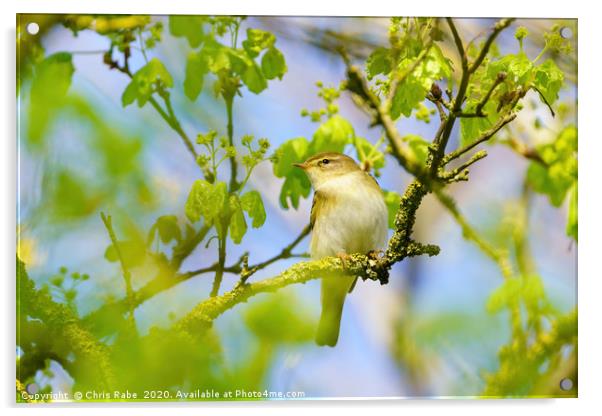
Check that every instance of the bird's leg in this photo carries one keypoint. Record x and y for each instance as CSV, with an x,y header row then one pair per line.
x,y
375,254
344,257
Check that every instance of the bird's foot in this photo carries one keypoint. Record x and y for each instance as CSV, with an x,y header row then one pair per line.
x,y
344,257
375,254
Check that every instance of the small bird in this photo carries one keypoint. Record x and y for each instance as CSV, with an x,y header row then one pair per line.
x,y
348,216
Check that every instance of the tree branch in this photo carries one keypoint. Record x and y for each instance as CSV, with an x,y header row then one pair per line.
x,y
367,267
63,324
164,282
527,152
499,26
484,137
357,84
437,155
167,115
461,173
127,277
479,108
285,253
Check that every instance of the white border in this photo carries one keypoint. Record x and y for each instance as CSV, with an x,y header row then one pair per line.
x,y
590,289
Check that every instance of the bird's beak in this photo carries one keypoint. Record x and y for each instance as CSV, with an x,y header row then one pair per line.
x,y
300,165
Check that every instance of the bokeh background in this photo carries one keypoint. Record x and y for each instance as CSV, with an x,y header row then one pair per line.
x,y
426,333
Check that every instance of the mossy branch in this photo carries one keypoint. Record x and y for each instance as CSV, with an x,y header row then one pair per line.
x,y
367,267
166,281
62,323
400,245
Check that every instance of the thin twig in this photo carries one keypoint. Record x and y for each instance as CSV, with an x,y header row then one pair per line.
x,y
467,71
544,100
230,127
479,108
219,272
167,115
499,26
163,282
127,277
527,152
285,253
484,137
358,85
461,172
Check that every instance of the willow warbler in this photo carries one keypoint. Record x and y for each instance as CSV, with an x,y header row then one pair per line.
x,y
348,216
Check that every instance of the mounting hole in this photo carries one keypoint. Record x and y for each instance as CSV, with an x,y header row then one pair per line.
x,y
566,384
566,32
33,28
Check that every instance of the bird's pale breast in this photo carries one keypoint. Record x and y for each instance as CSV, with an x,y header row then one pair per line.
x,y
353,218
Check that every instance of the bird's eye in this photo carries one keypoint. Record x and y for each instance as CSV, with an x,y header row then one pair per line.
x,y
325,161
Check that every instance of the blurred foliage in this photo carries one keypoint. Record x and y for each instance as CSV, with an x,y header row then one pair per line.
x,y
559,174
99,164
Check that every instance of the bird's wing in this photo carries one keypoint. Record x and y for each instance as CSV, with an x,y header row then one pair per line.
x,y
316,205
374,181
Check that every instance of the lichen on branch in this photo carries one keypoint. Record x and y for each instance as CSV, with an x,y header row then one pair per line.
x,y
93,356
366,267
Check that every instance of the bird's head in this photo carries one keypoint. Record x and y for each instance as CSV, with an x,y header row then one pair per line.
x,y
326,166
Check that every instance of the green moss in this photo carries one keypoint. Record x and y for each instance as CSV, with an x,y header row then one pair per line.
x,y
92,356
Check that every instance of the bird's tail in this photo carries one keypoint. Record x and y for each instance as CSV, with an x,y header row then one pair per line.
x,y
334,291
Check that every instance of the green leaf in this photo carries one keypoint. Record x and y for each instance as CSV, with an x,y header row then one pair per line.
x,y
407,96
133,253
196,68
392,199
257,40
332,136
190,27
143,83
520,67
253,204
273,64
48,90
238,61
289,152
254,79
238,225
412,91
438,65
206,200
379,62
216,55
560,173
419,146
295,186
572,220
517,68
548,80
471,128
168,228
